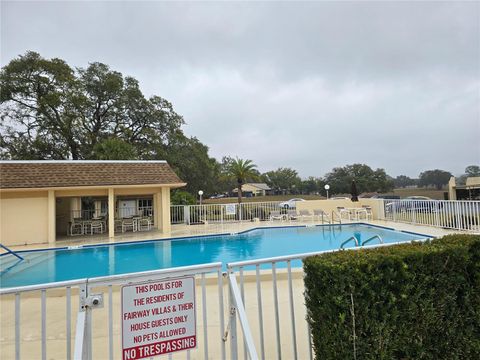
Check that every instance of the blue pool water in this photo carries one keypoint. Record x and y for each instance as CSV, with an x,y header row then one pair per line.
x,y
101,260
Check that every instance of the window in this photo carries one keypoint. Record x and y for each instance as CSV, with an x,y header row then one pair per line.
x,y
145,206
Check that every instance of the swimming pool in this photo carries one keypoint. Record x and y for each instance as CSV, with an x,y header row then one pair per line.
x,y
45,266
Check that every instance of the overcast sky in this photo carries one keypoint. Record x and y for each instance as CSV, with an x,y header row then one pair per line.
x,y
304,85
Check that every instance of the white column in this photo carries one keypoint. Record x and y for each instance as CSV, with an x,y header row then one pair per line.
x,y
157,209
51,217
111,213
166,226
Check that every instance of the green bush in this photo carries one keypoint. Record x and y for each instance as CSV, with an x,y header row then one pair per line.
x,y
409,301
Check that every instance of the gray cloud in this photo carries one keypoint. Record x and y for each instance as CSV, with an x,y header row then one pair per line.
x,y
307,85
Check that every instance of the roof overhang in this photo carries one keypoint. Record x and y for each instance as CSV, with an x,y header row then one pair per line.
x,y
103,187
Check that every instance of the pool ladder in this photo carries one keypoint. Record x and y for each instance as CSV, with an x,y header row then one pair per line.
x,y
358,243
11,252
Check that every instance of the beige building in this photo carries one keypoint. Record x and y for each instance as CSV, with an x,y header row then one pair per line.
x,y
469,191
41,201
254,189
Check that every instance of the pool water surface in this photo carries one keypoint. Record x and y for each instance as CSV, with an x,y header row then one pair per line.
x,y
54,265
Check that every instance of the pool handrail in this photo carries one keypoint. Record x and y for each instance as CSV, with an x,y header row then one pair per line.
x,y
372,238
11,251
354,238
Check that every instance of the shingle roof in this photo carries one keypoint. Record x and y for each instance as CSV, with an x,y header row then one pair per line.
x,y
53,174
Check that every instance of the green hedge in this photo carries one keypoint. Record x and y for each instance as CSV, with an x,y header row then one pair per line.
x,y
410,301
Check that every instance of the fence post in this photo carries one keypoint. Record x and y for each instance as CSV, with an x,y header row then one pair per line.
x,y
233,326
83,332
414,211
186,214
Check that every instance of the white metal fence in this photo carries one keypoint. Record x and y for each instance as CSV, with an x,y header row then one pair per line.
x,y
275,307
223,213
40,323
449,214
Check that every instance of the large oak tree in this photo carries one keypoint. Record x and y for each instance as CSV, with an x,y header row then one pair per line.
x,y
49,110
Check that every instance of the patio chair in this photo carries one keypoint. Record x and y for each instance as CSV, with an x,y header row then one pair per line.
x,y
96,226
368,212
292,215
275,215
305,214
144,224
320,214
343,213
117,223
76,227
129,223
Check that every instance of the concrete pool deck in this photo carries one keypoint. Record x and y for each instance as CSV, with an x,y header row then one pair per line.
x,y
30,304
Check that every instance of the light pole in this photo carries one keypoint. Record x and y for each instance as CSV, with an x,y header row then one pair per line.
x,y
200,193
327,187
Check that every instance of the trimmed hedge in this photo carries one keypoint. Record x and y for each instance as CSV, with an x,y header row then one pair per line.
x,y
409,301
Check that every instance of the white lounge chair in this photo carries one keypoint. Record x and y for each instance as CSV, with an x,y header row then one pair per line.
x,y
320,214
305,214
275,215
292,215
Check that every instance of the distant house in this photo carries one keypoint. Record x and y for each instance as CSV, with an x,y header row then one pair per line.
x,y
469,191
254,189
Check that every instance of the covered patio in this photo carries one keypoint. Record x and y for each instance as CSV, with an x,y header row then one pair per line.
x,y
46,201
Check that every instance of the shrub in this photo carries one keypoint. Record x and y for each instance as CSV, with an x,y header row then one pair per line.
x,y
409,301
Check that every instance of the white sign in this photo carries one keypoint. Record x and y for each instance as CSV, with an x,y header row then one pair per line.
x,y
230,209
158,318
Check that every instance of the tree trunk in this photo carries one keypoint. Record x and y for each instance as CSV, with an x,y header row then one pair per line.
x,y
239,193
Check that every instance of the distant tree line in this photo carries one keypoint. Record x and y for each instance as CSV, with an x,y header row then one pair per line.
x,y
49,110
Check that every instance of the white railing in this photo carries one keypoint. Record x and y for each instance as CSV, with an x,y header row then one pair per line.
x,y
96,329
450,214
224,213
286,333
282,332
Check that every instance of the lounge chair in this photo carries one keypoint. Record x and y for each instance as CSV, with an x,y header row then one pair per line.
x,y
320,214
275,215
305,214
292,215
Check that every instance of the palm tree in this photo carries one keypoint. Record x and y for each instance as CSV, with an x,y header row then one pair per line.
x,y
241,170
